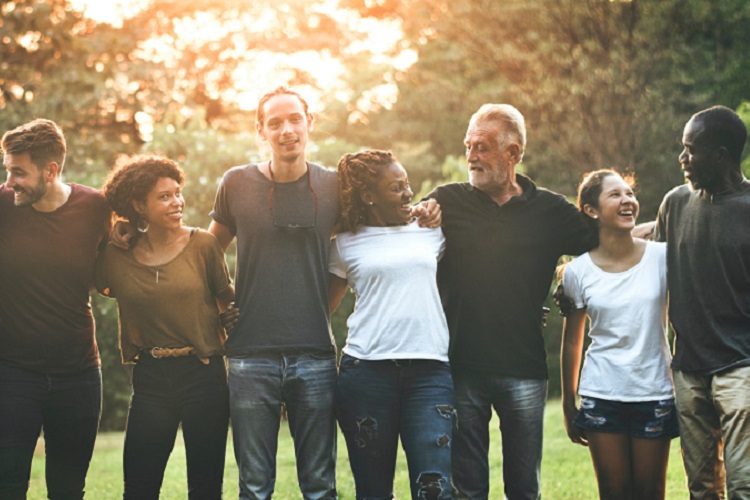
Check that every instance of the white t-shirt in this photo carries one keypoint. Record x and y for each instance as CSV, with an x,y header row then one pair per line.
x,y
392,271
628,359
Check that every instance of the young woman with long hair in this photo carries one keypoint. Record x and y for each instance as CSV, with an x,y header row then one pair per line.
x,y
627,415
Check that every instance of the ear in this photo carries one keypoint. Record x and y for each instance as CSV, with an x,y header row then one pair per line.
x,y
591,211
259,130
138,206
367,197
723,153
310,121
514,152
52,170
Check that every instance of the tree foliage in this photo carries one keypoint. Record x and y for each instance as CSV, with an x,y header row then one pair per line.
x,y
602,83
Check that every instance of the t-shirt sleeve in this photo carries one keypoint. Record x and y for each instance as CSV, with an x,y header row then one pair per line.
x,y
101,272
218,272
432,195
335,265
572,287
578,236
660,231
441,242
221,212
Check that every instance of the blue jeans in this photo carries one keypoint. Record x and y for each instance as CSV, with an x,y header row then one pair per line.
x,y
305,384
376,401
519,404
67,407
166,393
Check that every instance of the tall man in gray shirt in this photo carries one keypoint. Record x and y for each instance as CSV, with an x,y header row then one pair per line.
x,y
706,225
281,351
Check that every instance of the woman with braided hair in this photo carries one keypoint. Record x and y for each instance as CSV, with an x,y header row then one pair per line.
x,y
394,379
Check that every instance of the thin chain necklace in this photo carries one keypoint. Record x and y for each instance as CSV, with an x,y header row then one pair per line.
x,y
157,267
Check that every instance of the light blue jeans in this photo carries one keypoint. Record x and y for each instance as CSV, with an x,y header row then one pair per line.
x,y
305,384
519,404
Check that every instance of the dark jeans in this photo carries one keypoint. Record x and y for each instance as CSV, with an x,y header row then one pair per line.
x,y
67,408
166,393
519,404
378,401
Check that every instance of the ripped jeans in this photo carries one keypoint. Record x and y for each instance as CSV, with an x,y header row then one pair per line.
x,y
378,401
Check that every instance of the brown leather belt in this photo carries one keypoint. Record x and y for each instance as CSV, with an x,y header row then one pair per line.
x,y
175,352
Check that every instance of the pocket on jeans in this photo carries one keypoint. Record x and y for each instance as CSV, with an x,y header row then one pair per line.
x,y
322,356
348,362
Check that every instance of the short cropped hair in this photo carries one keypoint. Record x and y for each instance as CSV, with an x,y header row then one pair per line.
x,y
42,139
514,125
724,127
133,177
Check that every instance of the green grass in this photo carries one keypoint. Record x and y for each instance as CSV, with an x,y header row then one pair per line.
x,y
567,472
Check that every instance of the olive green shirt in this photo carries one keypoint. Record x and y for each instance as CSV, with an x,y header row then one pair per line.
x,y
177,310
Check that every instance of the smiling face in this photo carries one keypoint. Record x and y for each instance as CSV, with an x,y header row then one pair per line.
x,y
698,157
389,201
163,205
285,127
491,163
25,179
617,206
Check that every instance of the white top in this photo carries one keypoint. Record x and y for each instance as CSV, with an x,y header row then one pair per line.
x,y
628,359
392,271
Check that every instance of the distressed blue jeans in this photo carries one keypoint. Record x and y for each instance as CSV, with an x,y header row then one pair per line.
x,y
305,385
67,408
378,401
519,404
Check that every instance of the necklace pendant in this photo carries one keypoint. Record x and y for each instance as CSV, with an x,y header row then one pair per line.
x,y
157,275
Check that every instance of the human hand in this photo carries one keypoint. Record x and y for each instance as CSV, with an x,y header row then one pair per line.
x,y
428,213
122,234
564,303
229,317
576,434
644,231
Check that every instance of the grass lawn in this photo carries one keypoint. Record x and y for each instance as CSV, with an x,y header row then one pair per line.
x,y
567,472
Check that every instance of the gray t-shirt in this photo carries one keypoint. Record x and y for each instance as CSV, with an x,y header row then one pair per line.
x,y
708,271
282,271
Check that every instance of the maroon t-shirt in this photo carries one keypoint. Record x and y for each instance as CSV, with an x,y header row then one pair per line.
x,y
46,273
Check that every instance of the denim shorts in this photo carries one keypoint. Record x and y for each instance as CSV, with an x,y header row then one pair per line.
x,y
643,419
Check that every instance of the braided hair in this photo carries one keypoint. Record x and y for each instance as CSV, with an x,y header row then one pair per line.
x,y
358,172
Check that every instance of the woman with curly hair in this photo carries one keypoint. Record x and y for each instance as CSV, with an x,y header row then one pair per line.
x,y
167,286
627,415
394,378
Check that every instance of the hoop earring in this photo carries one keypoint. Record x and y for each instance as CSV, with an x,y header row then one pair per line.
x,y
140,228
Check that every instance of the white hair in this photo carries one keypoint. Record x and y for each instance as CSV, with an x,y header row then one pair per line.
x,y
514,125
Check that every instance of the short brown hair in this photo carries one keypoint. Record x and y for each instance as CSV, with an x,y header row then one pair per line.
x,y
133,177
261,112
42,139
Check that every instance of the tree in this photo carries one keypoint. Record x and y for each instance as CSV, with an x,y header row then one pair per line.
x,y
602,83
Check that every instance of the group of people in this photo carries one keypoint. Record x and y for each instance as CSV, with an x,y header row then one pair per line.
x,y
447,324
